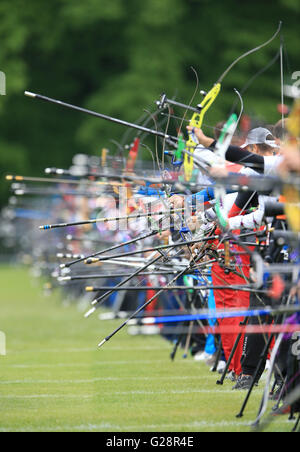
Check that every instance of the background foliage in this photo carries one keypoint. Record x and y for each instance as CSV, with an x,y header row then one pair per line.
x,y
117,57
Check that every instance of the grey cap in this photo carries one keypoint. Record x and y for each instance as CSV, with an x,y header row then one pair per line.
x,y
259,136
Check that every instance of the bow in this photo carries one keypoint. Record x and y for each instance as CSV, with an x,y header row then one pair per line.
x,y
197,118
197,121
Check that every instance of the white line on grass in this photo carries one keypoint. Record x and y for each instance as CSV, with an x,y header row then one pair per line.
x,y
46,396
172,427
96,379
88,364
85,350
178,391
123,393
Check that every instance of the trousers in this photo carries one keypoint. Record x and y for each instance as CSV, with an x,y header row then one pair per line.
x,y
230,298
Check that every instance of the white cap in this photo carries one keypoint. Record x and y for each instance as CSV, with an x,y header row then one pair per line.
x,y
259,136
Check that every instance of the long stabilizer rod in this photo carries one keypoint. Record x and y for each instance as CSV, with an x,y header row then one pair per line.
x,y
170,138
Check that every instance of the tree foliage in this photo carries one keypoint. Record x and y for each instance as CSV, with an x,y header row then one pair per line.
x,y
117,57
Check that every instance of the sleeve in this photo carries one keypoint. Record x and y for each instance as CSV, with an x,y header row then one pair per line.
x,y
243,201
203,196
251,221
271,164
237,155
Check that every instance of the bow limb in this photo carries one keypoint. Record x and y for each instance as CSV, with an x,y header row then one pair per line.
x,y
196,121
221,148
255,49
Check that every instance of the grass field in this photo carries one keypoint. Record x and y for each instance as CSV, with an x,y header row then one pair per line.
x,y
53,377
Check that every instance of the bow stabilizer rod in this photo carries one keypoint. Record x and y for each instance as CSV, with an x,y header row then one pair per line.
x,y
170,139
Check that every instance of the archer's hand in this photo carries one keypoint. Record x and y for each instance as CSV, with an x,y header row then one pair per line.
x,y
202,139
291,160
192,223
164,236
177,201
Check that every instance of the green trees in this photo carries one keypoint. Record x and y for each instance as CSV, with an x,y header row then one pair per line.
x,y
117,57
